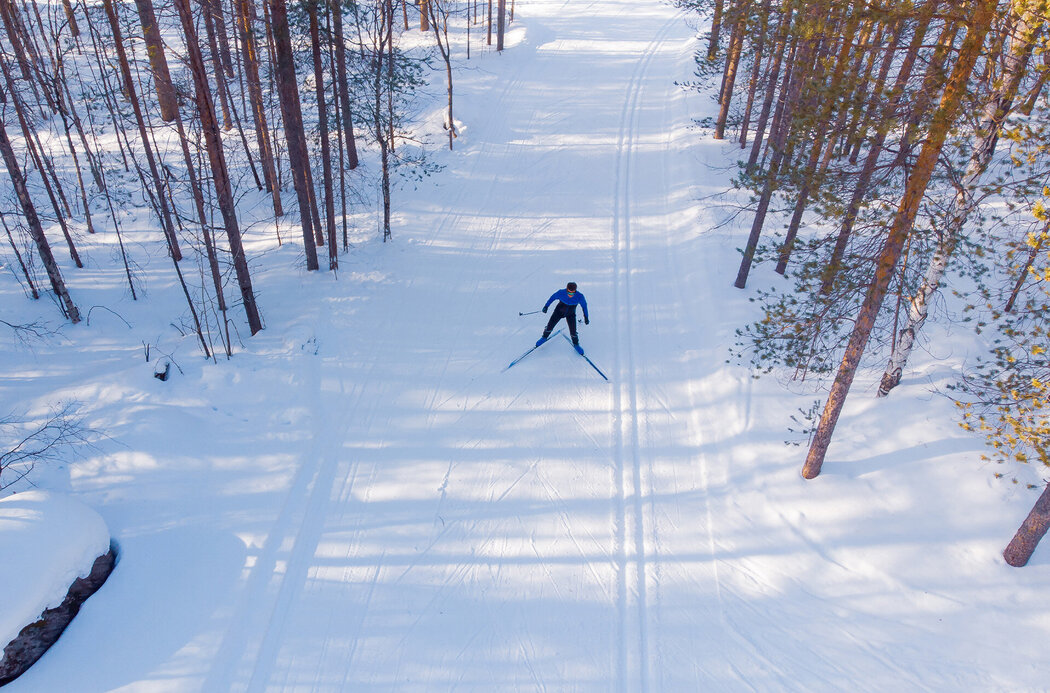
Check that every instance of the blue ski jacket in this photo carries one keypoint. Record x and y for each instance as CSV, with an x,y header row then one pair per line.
x,y
576,299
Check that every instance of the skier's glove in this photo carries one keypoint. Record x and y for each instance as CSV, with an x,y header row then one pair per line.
x,y
586,321
544,309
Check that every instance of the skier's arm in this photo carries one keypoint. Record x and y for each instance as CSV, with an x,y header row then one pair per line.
x,y
586,317
550,301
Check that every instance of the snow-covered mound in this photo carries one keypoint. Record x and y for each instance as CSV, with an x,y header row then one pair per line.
x,y
47,541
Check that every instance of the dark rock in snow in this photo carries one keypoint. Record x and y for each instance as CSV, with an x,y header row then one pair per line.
x,y
34,640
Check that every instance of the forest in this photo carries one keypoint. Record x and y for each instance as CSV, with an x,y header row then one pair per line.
x,y
912,134
905,146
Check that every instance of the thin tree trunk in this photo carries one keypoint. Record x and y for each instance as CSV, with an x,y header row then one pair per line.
x,y
250,58
129,87
18,255
326,150
158,62
1033,253
38,159
440,23
35,229
291,113
886,122
771,90
886,264
342,84
501,24
213,143
716,27
736,43
777,144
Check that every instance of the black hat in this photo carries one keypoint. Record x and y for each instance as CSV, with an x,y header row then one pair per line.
x,y
571,286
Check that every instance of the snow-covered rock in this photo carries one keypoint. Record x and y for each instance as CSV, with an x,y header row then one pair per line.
x,y
47,542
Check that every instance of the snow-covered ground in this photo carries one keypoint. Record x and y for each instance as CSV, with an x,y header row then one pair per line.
x,y
362,499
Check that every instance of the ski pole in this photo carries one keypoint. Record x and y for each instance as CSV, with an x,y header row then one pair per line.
x,y
529,313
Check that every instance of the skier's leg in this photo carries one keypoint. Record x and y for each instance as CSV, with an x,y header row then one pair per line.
x,y
571,319
555,317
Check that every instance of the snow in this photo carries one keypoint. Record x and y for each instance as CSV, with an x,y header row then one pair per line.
x,y
362,499
47,540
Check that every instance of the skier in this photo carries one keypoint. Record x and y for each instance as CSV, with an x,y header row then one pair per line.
x,y
568,298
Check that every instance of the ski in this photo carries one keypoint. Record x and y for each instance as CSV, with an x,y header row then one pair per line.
x,y
533,349
599,370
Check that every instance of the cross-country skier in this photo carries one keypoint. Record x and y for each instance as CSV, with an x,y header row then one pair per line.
x,y
568,298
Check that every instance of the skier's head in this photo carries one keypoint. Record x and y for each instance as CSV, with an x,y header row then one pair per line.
x,y
571,287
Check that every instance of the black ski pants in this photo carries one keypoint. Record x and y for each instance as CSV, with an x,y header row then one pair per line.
x,y
563,311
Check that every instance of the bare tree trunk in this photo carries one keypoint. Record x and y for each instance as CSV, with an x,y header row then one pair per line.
x,y
943,119
439,20
343,86
250,58
35,229
217,13
213,143
38,159
1033,253
18,255
158,62
217,69
1022,546
291,113
501,24
326,150
74,30
129,87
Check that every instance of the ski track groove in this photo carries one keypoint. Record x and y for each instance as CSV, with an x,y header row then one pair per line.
x,y
626,414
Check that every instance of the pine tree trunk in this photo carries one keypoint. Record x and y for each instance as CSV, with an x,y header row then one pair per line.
x,y
326,150
217,159
994,113
777,144
875,149
35,229
291,113
1022,546
771,79
342,84
736,44
157,60
943,119
756,71
716,27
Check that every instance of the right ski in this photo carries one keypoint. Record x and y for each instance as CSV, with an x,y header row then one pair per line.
x,y
533,349
587,359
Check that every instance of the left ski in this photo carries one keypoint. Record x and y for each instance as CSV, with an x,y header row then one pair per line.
x,y
517,360
598,370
